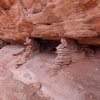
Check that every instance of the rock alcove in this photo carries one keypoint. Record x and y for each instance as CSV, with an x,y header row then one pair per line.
x,y
46,45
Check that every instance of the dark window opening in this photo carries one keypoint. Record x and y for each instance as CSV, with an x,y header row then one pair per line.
x,y
47,45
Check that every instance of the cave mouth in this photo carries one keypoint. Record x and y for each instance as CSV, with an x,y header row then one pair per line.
x,y
47,45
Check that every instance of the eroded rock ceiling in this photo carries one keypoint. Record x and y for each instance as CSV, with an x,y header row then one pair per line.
x,y
51,19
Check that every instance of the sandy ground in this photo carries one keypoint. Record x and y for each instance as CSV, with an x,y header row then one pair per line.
x,y
38,79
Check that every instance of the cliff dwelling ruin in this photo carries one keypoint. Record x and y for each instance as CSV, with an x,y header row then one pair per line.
x,y
49,49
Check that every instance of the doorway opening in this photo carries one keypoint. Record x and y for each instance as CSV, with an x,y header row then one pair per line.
x,y
47,45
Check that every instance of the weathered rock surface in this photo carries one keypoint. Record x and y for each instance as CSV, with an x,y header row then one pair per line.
x,y
68,52
50,19
34,79
12,89
35,72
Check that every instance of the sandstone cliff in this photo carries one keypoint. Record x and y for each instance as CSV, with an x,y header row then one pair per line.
x,y
52,19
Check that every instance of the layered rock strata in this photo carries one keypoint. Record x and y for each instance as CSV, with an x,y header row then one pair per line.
x,y
63,54
67,52
31,49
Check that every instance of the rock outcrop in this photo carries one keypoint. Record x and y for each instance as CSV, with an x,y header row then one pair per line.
x,y
52,19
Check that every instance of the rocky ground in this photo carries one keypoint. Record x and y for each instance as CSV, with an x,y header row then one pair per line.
x,y
38,79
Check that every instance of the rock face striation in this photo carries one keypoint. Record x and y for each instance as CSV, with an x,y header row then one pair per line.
x,y
63,54
68,52
50,19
